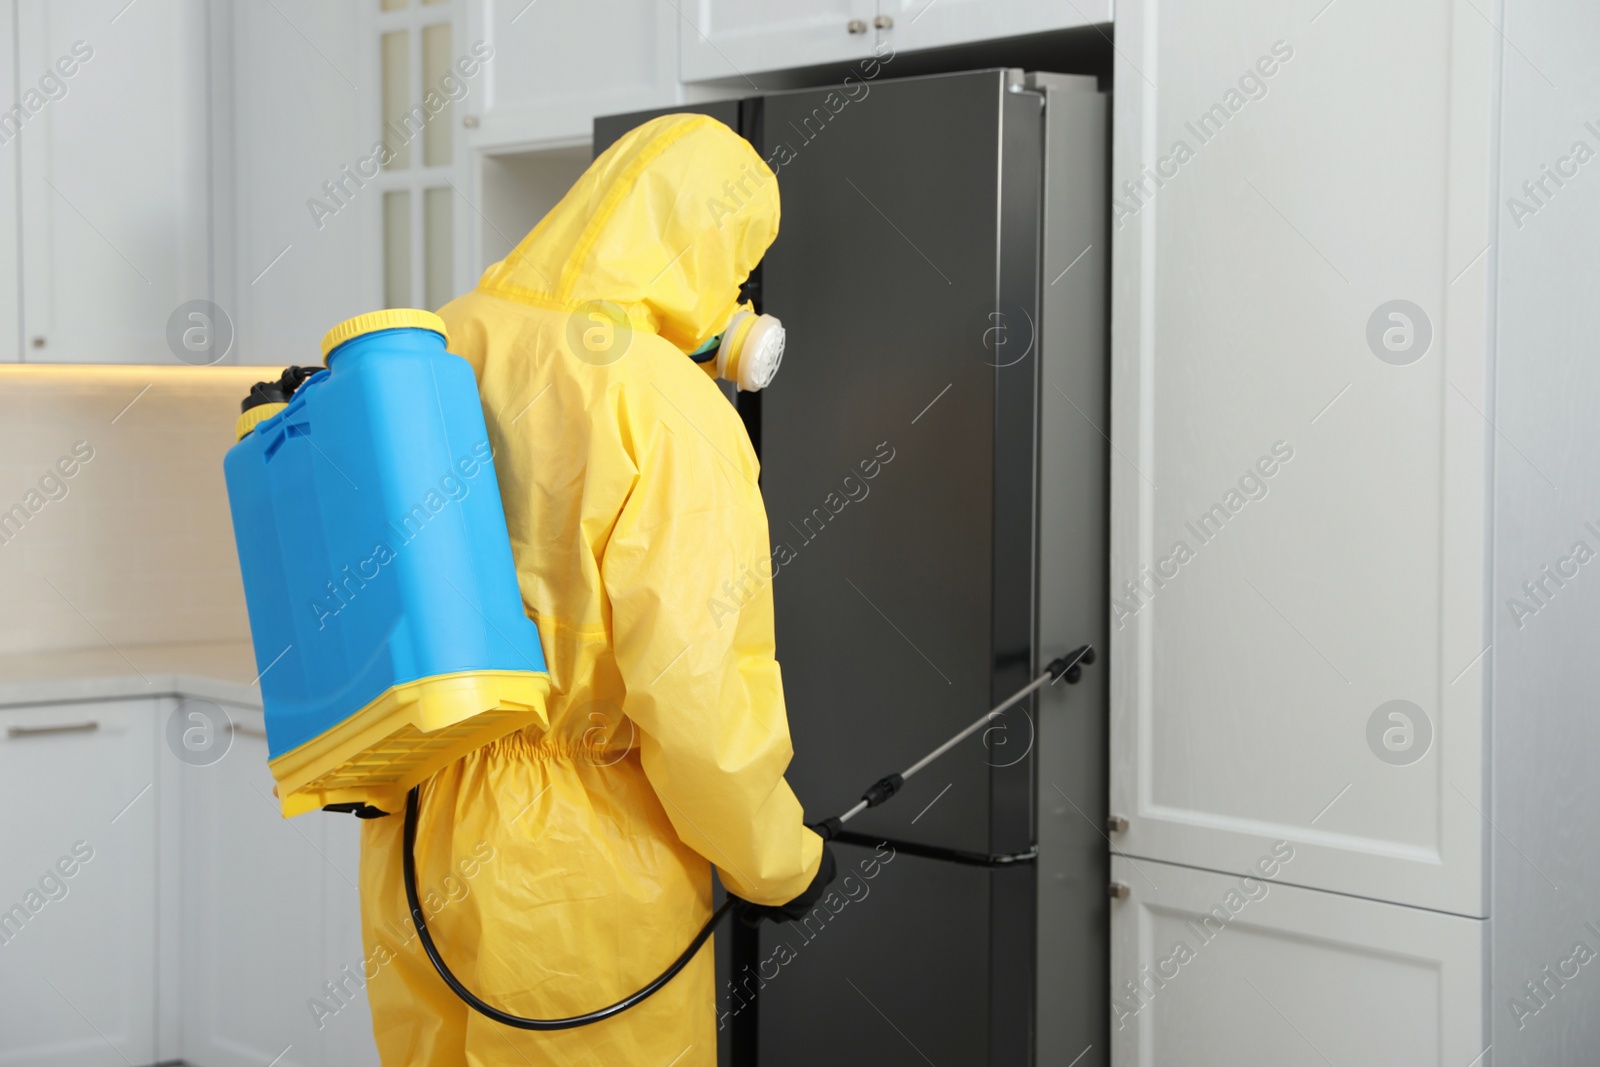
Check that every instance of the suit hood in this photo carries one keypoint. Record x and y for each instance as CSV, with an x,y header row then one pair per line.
x,y
666,224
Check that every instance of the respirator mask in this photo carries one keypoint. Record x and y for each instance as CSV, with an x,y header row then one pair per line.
x,y
747,353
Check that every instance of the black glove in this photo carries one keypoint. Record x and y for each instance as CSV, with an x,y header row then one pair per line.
x,y
800,906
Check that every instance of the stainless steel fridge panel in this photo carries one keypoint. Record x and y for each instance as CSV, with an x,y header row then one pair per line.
x,y
895,976
1015,358
1014,568
1074,865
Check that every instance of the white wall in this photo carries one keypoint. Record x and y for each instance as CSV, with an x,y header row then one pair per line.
x,y
138,546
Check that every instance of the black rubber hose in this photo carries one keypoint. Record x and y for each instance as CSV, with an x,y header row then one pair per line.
x,y
506,1018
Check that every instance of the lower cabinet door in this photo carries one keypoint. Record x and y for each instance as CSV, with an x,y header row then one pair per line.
x,y
78,848
1216,969
263,983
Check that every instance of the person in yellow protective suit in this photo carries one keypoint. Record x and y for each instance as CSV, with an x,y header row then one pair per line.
x,y
562,870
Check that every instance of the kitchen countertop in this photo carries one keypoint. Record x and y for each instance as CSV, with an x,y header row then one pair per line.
x,y
224,672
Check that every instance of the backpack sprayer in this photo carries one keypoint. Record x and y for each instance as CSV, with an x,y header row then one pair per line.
x,y
383,598
385,614
1069,666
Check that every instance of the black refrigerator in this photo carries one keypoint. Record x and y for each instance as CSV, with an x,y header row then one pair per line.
x,y
934,464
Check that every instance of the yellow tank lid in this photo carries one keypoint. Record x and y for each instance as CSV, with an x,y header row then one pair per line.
x,y
373,321
252,417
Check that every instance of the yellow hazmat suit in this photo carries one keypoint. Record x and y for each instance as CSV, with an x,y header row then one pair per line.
x,y
561,870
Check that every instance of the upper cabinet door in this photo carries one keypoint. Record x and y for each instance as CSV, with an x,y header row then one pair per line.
x,y
732,39
300,171
116,208
10,316
911,24
1299,532
540,88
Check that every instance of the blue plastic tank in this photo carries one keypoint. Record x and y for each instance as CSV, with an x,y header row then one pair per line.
x,y
384,607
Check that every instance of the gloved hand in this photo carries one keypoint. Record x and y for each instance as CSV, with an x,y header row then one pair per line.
x,y
800,906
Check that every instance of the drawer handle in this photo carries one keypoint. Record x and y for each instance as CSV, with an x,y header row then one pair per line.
x,y
64,728
248,731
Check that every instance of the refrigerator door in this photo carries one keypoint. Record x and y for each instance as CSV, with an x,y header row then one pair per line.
x,y
892,973
898,467
897,445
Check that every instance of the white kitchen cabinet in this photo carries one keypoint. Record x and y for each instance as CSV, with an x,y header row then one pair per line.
x,y
297,124
346,1037
1372,287
1546,885
10,313
908,25
730,39
1300,500
80,859
271,930
153,908
1211,969
115,198
557,66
